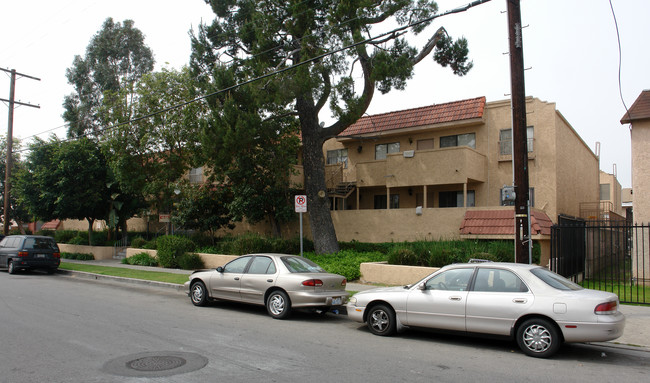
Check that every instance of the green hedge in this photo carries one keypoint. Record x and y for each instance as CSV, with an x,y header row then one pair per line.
x,y
171,248
78,256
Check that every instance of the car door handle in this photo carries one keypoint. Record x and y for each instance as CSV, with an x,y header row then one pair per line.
x,y
520,300
269,280
236,278
455,298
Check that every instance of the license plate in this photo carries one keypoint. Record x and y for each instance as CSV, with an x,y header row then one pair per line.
x,y
336,301
41,255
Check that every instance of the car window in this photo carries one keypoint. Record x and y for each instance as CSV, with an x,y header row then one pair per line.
x,y
40,244
301,265
4,242
554,280
498,280
262,265
452,280
237,265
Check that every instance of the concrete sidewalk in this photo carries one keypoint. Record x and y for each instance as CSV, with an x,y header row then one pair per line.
x,y
637,318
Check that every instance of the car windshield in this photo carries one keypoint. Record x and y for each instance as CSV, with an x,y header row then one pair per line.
x,y
555,280
40,244
301,265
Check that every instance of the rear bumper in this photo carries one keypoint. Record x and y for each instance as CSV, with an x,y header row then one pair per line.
x,y
317,299
30,263
608,327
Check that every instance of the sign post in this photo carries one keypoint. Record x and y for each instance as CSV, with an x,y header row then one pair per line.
x,y
301,207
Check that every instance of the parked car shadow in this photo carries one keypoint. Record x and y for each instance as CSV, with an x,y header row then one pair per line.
x,y
303,315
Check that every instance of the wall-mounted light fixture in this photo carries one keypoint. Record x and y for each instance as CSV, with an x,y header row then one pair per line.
x,y
359,149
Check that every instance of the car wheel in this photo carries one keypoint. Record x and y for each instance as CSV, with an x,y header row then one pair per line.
x,y
538,337
278,305
11,269
381,320
198,294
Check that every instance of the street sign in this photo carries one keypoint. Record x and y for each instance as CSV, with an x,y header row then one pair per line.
x,y
301,204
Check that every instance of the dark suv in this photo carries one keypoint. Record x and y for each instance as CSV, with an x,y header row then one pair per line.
x,y
29,252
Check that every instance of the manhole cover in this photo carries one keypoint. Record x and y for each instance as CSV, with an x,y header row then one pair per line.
x,y
155,364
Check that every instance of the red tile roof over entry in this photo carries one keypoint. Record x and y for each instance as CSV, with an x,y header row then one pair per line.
x,y
423,116
502,222
640,110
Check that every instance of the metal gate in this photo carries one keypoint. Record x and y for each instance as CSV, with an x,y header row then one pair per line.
x,y
604,255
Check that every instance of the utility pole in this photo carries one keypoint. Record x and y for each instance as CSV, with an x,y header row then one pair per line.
x,y
10,139
519,134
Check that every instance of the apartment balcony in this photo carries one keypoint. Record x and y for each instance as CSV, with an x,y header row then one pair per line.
x,y
454,165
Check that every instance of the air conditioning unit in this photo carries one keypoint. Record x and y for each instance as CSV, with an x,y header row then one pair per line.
x,y
409,153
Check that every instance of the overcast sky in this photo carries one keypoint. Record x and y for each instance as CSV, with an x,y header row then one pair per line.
x,y
570,47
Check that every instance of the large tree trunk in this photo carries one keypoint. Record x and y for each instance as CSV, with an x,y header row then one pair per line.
x,y
318,205
90,230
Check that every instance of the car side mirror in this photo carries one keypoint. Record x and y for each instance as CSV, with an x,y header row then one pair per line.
x,y
422,286
220,269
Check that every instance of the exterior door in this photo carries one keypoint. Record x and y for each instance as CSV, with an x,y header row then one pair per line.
x,y
226,284
441,304
497,299
261,275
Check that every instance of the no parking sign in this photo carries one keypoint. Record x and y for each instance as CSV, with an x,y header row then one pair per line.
x,y
301,203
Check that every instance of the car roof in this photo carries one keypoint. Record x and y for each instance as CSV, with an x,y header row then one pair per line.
x,y
506,265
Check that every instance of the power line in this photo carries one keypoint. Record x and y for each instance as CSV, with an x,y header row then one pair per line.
x,y
620,56
279,71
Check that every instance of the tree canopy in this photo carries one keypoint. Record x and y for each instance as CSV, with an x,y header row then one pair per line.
x,y
116,58
249,39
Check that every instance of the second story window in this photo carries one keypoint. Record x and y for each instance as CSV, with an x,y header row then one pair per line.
x,y
604,192
468,139
381,150
196,175
338,156
505,140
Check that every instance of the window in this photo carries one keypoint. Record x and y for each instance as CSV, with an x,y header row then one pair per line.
x,y
196,175
237,265
301,265
554,280
451,280
380,201
381,150
531,192
505,140
455,199
468,139
496,280
604,192
262,265
425,144
338,156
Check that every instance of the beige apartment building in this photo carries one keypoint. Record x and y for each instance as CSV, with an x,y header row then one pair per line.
x,y
414,174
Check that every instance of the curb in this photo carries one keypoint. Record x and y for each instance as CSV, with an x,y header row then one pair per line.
x,y
142,282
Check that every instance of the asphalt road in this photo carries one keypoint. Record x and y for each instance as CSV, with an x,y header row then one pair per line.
x,y
60,329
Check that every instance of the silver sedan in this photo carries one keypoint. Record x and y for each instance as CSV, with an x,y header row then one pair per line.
x,y
278,281
537,307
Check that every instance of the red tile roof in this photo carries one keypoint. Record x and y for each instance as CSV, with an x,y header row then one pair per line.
x,y
640,110
52,225
426,115
502,222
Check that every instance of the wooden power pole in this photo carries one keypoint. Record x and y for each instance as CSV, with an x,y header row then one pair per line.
x,y
519,134
10,139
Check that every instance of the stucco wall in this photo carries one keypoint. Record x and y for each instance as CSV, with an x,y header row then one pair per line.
x,y
640,137
100,252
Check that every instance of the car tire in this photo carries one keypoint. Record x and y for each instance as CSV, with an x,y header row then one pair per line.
x,y
198,294
278,305
11,269
381,320
538,337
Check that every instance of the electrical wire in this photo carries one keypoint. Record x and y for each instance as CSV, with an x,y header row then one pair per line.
x,y
276,72
620,57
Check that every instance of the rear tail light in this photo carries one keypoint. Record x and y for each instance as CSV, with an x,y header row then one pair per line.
x,y
57,255
606,308
313,283
345,282
23,254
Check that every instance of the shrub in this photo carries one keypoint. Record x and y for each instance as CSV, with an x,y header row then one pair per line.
x,y
78,256
138,242
142,259
78,240
190,261
403,256
345,262
64,236
249,243
171,248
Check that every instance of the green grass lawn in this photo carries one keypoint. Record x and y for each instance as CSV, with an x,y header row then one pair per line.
x,y
158,276
625,292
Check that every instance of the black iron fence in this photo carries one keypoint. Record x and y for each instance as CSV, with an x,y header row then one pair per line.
x,y
604,255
